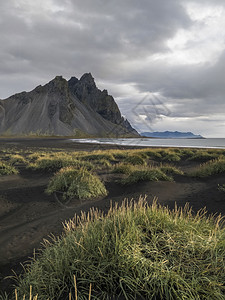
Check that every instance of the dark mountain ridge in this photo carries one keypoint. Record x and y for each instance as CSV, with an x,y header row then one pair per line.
x,y
171,135
66,108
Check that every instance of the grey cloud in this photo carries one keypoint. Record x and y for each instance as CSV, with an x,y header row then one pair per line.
x,y
187,90
110,33
111,39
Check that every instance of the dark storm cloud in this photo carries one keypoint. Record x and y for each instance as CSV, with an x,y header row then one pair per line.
x,y
115,40
81,36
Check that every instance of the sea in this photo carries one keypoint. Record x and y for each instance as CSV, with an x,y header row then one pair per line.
x,y
214,143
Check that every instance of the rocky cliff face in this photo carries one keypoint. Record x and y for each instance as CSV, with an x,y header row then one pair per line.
x,y
64,107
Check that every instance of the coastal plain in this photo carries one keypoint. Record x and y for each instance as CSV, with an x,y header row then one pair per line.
x,y
28,214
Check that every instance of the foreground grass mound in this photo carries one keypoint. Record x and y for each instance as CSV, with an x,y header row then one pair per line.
x,y
72,183
136,250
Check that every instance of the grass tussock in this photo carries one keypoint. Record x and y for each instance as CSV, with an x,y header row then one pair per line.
x,y
135,160
136,250
53,164
7,169
100,154
170,169
102,163
210,168
170,155
123,168
152,154
17,159
76,183
203,156
32,157
146,174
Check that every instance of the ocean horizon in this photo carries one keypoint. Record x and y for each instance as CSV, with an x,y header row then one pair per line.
x,y
214,143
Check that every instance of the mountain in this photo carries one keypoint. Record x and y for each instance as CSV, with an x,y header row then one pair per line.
x,y
171,135
75,107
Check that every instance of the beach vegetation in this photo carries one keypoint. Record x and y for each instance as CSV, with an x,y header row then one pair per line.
x,y
170,169
135,159
203,156
123,168
7,168
170,156
97,155
17,159
145,174
210,168
136,250
55,163
76,183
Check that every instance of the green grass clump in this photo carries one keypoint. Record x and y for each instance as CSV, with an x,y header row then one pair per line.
x,y
47,164
76,183
7,169
32,157
97,155
120,154
186,153
17,158
123,168
135,160
202,156
210,168
146,174
153,154
53,164
135,250
102,163
169,155
170,170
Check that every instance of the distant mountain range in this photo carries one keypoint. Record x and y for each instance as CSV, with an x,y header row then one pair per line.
x,y
67,108
171,135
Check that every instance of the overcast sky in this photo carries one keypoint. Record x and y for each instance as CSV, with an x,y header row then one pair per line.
x,y
162,60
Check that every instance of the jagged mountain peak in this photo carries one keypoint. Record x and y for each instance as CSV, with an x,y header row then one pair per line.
x,y
73,80
88,79
58,83
63,107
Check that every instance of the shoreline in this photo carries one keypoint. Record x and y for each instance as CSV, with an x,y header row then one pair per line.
x,y
102,143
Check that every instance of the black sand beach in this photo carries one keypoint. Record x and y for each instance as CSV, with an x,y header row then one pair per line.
x,y
27,214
